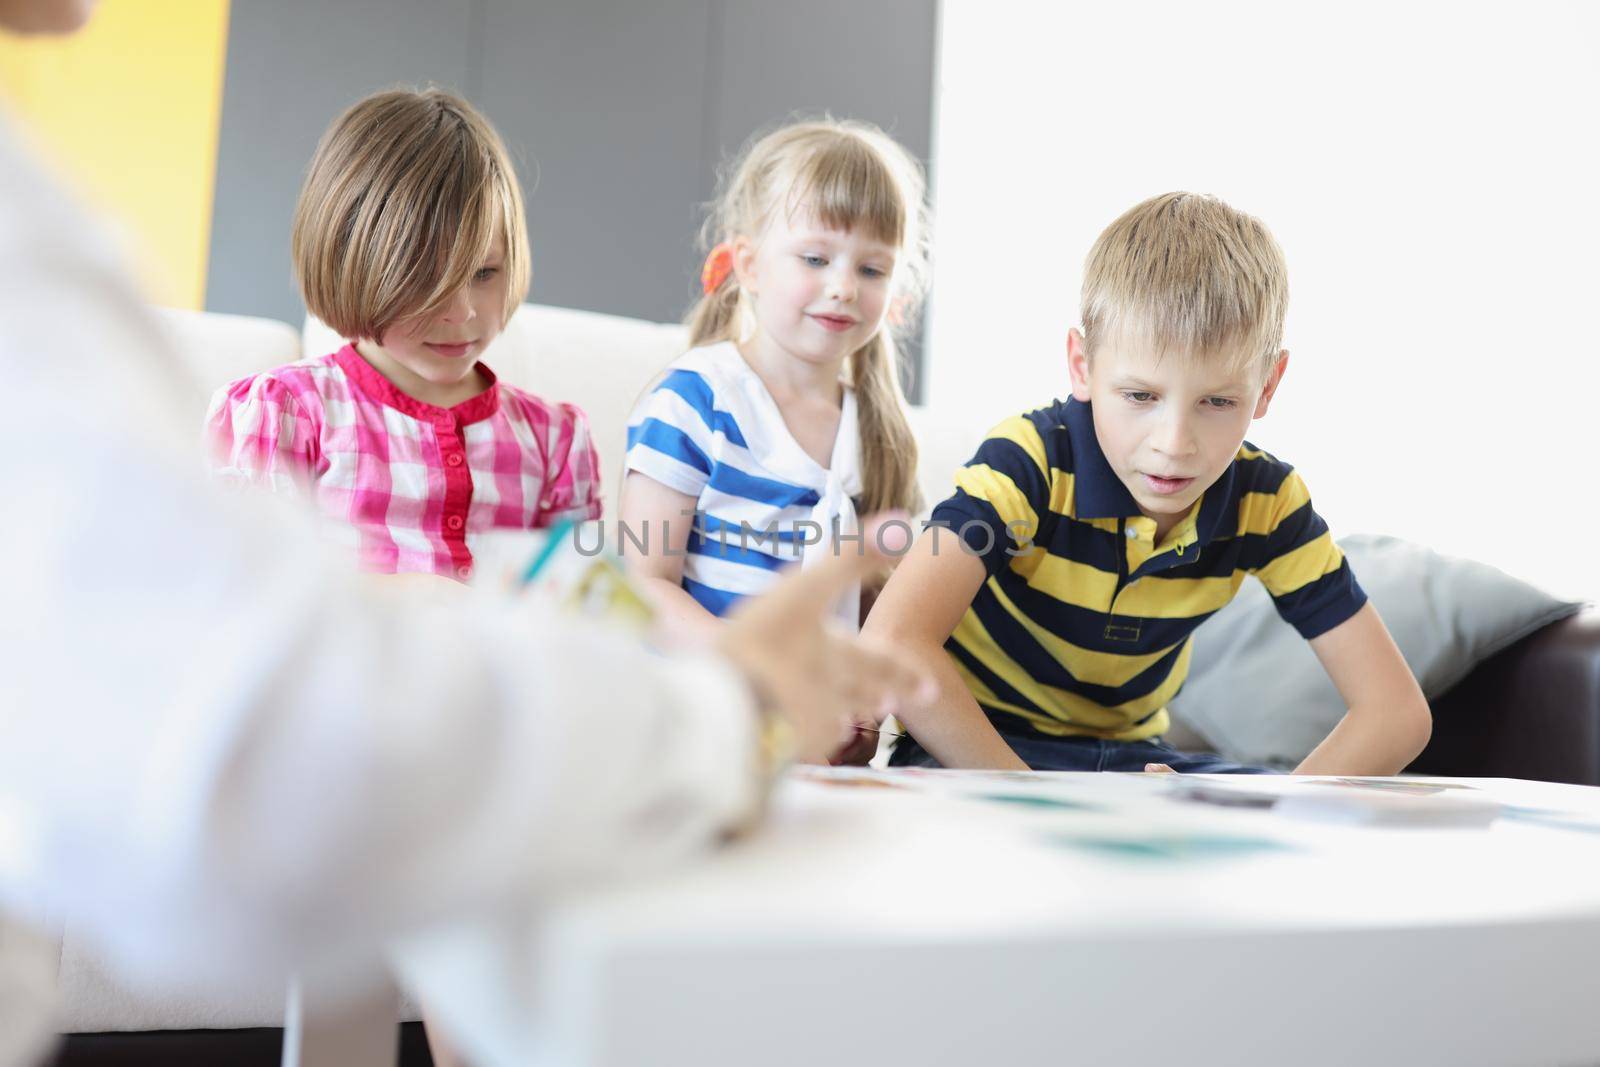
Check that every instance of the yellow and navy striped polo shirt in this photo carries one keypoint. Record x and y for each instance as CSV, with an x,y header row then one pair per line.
x,y
1083,625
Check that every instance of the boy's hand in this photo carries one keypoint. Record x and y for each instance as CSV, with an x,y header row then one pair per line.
x,y
920,607
1158,768
818,678
858,749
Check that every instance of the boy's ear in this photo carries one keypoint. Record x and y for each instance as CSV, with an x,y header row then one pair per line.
x,y
1274,377
1078,365
744,263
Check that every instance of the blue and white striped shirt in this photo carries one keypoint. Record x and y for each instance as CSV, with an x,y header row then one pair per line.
x,y
709,428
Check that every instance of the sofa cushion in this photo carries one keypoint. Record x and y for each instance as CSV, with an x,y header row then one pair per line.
x,y
1257,694
218,348
946,437
93,998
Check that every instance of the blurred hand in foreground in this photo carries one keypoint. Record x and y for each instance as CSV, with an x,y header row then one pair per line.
x,y
820,677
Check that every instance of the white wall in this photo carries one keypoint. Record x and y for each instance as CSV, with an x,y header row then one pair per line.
x,y
1430,171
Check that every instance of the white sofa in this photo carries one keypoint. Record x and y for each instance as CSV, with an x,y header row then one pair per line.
x,y
599,362
603,362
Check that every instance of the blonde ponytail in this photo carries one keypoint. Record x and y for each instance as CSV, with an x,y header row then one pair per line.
x,y
851,174
888,447
715,315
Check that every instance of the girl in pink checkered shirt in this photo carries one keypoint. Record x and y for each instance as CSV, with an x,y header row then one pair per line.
x,y
409,240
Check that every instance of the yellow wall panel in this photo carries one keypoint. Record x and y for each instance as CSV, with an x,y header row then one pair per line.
x,y
129,109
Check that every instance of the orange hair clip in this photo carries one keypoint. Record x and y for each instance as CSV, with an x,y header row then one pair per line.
x,y
718,265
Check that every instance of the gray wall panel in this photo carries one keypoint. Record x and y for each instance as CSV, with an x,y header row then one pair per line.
x,y
863,60
617,111
292,66
601,102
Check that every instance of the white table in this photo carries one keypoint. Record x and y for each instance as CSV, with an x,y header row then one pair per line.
x,y
923,924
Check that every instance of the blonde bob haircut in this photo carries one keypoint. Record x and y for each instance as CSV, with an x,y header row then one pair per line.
x,y
1185,273
848,175
403,201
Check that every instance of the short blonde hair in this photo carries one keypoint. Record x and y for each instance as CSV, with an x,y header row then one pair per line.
x,y
849,175
1187,274
404,198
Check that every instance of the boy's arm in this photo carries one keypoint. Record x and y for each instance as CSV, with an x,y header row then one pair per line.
x,y
931,589
1388,722
651,510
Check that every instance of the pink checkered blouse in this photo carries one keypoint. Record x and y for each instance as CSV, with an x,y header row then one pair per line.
x,y
414,482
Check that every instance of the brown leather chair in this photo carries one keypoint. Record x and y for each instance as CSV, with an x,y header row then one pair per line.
x,y
1533,711
261,1047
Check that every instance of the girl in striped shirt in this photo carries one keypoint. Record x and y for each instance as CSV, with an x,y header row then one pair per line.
x,y
409,240
760,446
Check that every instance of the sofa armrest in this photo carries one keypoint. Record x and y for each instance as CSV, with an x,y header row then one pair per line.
x,y
1532,711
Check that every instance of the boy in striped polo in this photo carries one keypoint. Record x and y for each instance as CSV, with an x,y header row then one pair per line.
x,y
1086,540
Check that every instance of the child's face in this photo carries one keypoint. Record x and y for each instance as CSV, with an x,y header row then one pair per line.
x,y
441,351
1168,427
819,294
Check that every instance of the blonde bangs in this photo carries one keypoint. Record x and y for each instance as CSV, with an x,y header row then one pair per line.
x,y
847,186
1188,276
1219,348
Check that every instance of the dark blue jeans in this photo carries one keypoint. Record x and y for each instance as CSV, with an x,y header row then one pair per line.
x,y
1044,753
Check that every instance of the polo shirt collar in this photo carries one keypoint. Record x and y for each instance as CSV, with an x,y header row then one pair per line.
x,y
1099,494
365,377
1097,491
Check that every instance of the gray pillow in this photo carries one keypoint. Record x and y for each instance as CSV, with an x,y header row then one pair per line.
x,y
1257,694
